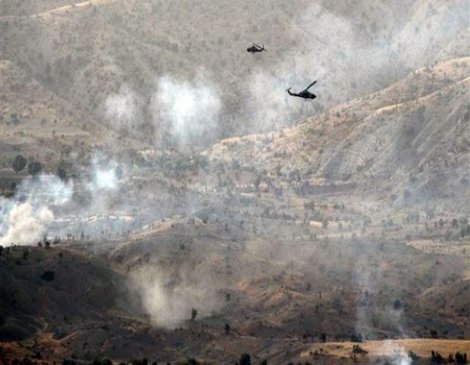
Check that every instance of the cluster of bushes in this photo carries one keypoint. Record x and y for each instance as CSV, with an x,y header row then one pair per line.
x,y
35,167
48,275
245,359
458,358
358,350
19,164
106,361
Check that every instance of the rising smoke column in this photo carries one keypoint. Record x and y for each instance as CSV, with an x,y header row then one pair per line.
x,y
190,110
103,175
124,109
25,218
395,354
26,224
169,301
366,278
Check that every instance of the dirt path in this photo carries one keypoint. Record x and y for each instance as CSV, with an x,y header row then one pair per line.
x,y
59,10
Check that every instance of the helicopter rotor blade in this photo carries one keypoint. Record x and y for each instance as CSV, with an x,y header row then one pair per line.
x,y
309,86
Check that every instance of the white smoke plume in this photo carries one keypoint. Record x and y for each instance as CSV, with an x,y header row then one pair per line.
x,y
170,303
46,189
363,281
25,218
395,354
348,59
124,109
190,110
26,224
41,200
103,174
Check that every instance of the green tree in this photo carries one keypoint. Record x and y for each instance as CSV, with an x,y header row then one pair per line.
x,y
61,173
34,168
19,163
245,359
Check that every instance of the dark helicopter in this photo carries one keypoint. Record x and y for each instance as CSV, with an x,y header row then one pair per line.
x,y
254,48
305,94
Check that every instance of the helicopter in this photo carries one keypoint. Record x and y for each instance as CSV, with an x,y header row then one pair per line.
x,y
254,48
305,94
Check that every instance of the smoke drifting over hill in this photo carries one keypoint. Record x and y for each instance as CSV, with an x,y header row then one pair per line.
x,y
25,224
183,112
346,57
351,49
304,232
190,110
396,354
26,217
29,214
124,109
169,300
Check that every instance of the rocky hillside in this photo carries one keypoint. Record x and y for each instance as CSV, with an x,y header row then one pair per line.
x,y
87,52
414,132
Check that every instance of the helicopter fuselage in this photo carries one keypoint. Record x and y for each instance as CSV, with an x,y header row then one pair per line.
x,y
254,49
306,95
303,94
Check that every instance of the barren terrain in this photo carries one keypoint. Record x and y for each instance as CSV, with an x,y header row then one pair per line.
x,y
162,197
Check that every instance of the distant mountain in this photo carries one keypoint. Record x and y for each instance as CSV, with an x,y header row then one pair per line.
x,y
85,53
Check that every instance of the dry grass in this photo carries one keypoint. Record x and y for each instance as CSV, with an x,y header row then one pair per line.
x,y
421,347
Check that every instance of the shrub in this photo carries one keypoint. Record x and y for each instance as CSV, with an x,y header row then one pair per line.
x,y
61,173
34,168
356,338
144,361
461,358
19,163
48,275
413,356
245,359
13,332
358,350
103,361
436,357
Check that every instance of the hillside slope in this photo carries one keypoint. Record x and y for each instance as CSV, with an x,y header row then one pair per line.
x,y
415,130
87,53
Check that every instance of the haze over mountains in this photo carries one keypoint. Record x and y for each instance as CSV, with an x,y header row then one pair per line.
x,y
90,53
162,196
